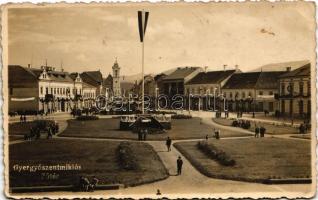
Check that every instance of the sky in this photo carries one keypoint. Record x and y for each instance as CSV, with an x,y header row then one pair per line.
x,y
91,37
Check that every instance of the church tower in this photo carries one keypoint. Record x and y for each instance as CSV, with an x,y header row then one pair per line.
x,y
116,79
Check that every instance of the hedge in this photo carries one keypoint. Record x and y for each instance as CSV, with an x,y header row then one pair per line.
x,y
181,116
211,151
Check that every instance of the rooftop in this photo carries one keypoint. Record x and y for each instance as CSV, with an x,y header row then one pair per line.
x,y
301,71
181,73
242,81
211,77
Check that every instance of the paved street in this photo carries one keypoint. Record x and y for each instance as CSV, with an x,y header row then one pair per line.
x,y
191,182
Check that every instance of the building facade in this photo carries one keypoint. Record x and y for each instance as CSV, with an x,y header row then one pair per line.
x,y
202,89
295,93
44,90
252,91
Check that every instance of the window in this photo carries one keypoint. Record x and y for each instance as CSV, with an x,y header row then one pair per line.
x,y
260,92
231,95
51,90
11,91
243,94
308,87
250,94
46,90
283,89
63,90
271,93
301,88
41,90
236,95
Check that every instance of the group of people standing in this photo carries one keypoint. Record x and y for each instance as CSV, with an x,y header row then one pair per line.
x,y
142,134
23,118
259,131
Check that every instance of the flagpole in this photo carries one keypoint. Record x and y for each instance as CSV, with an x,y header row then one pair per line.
x,y
143,79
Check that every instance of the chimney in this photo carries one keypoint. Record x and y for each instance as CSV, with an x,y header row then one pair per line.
x,y
288,69
62,70
29,65
224,67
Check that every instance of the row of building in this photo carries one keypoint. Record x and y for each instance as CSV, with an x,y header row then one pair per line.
x,y
49,90
281,87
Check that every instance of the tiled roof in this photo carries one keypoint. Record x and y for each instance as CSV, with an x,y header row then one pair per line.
x,y
108,82
59,76
181,73
268,80
242,81
211,77
21,77
95,76
301,71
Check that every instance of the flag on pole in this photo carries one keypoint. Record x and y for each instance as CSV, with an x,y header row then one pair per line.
x,y
142,24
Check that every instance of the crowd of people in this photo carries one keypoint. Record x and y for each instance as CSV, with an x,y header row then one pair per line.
x,y
242,123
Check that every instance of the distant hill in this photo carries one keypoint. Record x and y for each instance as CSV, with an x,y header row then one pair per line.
x,y
281,66
134,77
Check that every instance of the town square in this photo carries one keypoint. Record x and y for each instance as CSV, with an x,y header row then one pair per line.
x,y
140,101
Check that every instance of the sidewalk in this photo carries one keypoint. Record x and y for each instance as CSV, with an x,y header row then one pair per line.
x,y
258,117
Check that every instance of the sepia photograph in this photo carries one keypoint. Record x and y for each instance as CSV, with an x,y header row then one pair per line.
x,y
159,100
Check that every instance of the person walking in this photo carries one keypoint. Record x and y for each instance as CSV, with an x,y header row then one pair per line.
x,y
179,165
140,134
168,143
256,131
262,131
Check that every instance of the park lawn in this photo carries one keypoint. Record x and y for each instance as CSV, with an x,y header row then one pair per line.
x,y
109,128
15,137
96,158
270,128
20,128
257,159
